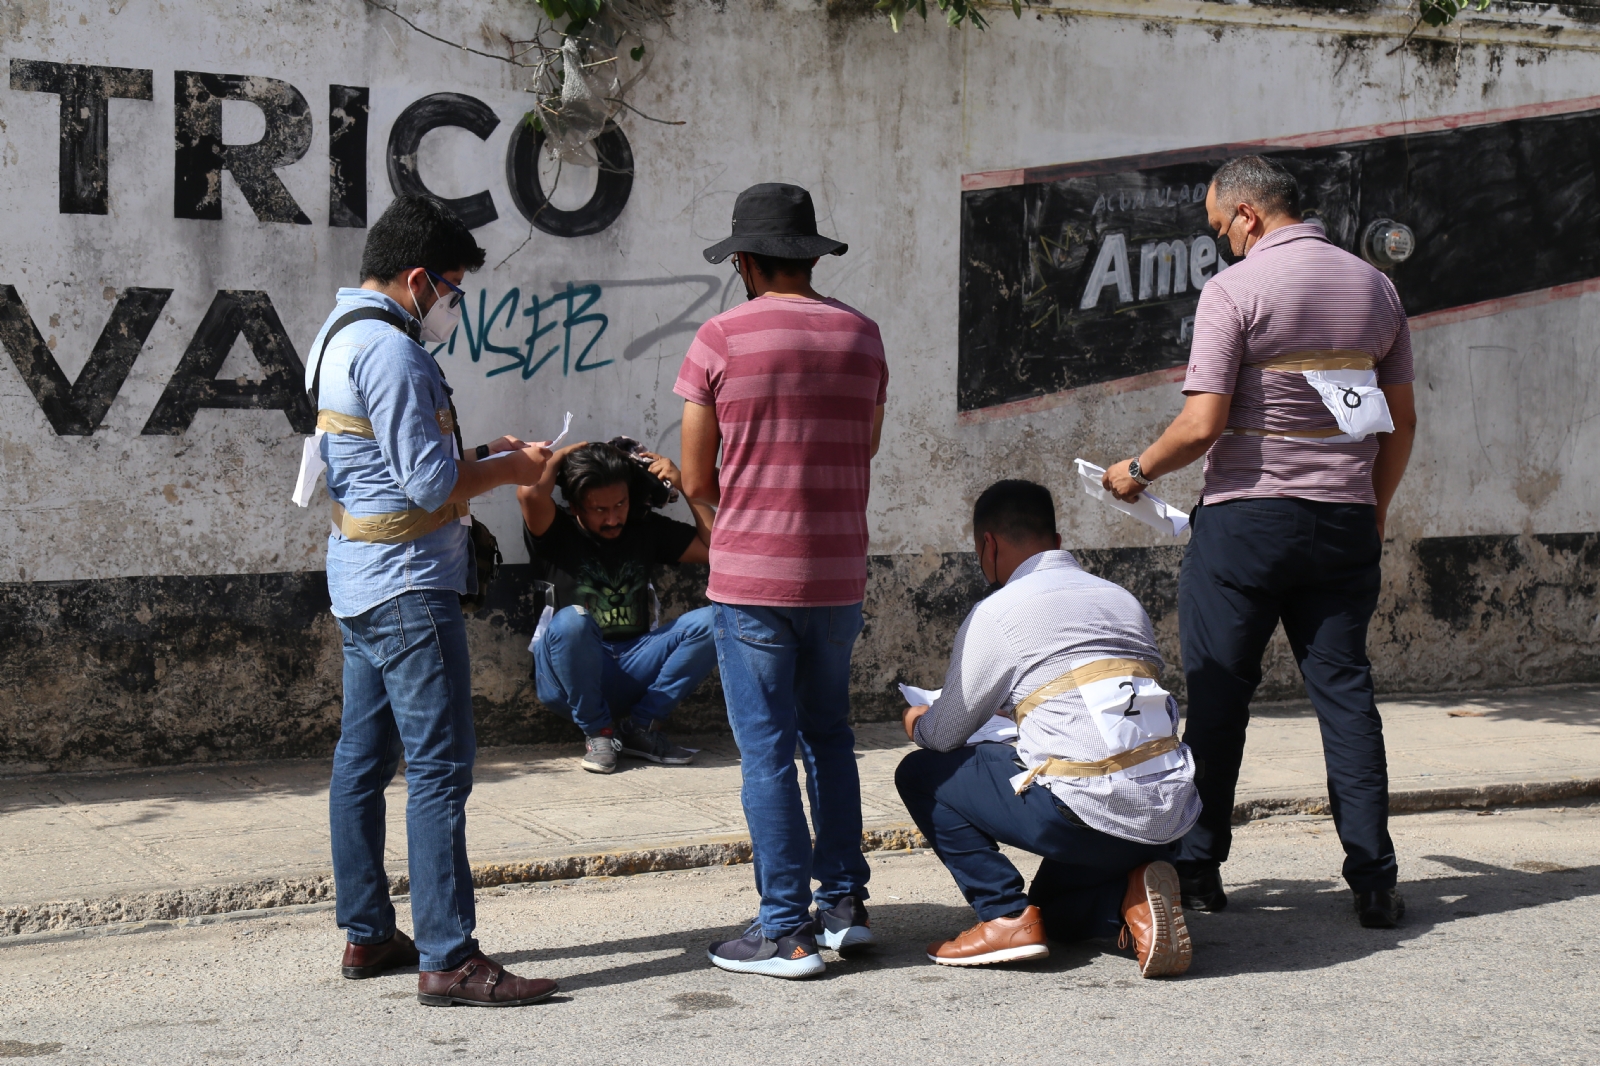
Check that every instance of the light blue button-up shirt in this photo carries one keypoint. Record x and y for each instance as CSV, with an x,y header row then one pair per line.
x,y
372,370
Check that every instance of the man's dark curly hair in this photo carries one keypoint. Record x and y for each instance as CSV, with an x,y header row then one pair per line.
x,y
596,466
418,231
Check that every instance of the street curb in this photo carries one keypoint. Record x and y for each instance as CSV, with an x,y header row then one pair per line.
x,y
65,919
1418,801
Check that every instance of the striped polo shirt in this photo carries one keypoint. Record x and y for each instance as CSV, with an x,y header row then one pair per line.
x,y
1293,292
794,383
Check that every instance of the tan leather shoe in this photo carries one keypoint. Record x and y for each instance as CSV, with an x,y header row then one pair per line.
x,y
369,960
480,982
1153,914
1001,940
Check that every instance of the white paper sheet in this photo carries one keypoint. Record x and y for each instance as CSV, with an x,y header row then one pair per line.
x,y
1149,508
999,728
311,468
566,427
547,592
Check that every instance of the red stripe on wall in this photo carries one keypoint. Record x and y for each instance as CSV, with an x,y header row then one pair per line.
x,y
1098,391
1502,304
994,179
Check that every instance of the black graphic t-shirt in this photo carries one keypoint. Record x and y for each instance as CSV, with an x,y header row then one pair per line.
x,y
610,578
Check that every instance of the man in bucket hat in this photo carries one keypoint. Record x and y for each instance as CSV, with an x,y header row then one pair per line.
x,y
791,386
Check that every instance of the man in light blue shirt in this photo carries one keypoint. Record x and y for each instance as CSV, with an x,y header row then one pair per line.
x,y
399,561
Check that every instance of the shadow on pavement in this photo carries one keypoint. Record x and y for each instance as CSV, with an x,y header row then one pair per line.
x,y
1270,926
904,930
1283,926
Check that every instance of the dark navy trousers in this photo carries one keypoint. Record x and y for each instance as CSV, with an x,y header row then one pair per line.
x,y
1251,563
963,803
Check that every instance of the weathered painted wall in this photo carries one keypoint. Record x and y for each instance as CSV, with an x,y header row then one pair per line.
x,y
163,599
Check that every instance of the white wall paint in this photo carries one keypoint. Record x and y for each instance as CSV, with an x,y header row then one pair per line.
x,y
879,127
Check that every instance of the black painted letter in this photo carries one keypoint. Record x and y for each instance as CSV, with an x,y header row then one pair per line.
x,y
201,155
405,137
194,384
84,120
75,410
347,155
611,188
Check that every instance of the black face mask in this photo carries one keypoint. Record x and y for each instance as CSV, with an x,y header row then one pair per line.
x,y
1225,242
749,293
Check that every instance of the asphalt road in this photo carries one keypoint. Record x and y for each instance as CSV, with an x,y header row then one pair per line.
x,y
1495,964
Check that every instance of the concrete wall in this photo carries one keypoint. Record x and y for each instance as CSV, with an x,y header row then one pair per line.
x,y
162,598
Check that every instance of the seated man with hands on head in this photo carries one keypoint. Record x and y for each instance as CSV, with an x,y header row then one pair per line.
x,y
1098,783
602,658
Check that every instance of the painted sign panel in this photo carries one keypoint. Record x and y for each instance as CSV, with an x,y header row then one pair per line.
x,y
1088,273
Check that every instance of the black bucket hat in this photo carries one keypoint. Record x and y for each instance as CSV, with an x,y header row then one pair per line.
x,y
778,220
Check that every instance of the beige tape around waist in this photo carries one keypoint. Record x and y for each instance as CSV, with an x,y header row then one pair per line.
x,y
1329,359
397,527
1053,767
1098,670
1299,363
347,425
1310,434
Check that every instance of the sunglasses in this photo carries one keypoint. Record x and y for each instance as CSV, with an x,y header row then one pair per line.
x,y
455,296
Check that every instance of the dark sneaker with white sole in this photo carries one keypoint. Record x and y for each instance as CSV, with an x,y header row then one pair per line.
x,y
642,742
843,927
600,754
790,957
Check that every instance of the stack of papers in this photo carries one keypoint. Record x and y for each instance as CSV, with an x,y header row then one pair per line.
x,y
999,728
1149,508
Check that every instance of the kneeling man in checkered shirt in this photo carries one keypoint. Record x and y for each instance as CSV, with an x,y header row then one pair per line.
x,y
1097,784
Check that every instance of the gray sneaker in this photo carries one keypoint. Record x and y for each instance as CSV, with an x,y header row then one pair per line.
x,y
788,957
600,754
642,742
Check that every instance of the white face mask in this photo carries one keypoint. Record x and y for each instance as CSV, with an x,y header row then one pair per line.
x,y
441,319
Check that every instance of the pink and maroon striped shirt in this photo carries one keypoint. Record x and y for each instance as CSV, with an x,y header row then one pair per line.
x,y
795,383
1294,292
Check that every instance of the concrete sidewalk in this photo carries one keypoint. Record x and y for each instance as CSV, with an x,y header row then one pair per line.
x,y
89,849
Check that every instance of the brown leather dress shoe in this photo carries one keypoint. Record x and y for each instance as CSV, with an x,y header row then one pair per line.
x,y
480,982
369,960
1001,940
1153,913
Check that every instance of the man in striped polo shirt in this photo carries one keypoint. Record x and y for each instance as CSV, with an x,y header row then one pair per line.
x,y
1300,398
791,385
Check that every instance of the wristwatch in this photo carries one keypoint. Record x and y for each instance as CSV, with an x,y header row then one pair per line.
x,y
483,451
1135,472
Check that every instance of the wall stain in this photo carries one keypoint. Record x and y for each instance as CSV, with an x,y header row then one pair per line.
x,y
160,670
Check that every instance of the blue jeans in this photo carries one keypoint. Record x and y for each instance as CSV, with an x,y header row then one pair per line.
x,y
1251,563
963,802
786,677
597,681
407,689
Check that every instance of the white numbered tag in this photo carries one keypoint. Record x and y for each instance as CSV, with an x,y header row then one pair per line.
x,y
1128,711
1355,400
